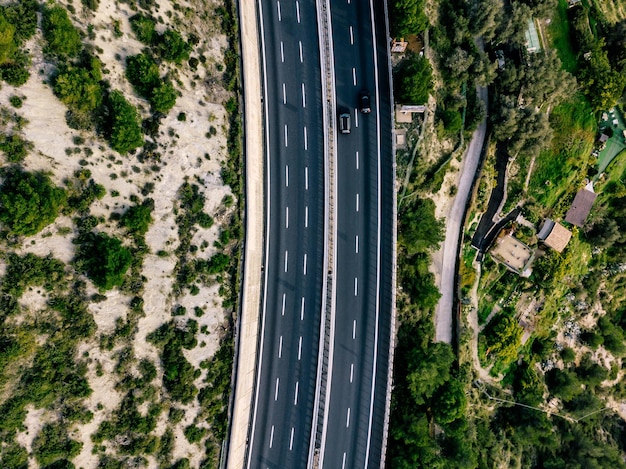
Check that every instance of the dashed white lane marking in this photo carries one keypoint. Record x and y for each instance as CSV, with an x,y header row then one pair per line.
x,y
357,160
343,464
304,265
357,202
356,117
306,216
306,140
295,399
300,48
284,94
356,244
303,96
279,16
354,329
286,135
286,175
348,418
302,310
282,51
286,217
286,258
276,389
354,76
272,436
351,371
306,178
291,438
356,286
298,11
280,347
300,348
351,36
284,300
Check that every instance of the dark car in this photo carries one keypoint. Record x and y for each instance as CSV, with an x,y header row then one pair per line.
x,y
364,102
344,121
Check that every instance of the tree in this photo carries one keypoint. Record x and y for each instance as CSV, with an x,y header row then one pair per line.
x,y
449,403
28,201
125,128
428,370
7,39
407,17
413,80
104,259
143,27
503,337
143,72
163,97
78,88
138,217
484,17
173,47
419,230
63,38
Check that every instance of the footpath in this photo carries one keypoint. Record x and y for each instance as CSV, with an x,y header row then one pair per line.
x,y
253,249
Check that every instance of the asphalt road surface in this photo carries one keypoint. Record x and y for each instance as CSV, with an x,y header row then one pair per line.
x,y
280,435
354,420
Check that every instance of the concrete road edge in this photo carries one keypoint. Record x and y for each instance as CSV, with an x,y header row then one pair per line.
x,y
254,225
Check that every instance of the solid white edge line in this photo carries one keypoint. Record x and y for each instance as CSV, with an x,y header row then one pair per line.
x,y
267,240
378,253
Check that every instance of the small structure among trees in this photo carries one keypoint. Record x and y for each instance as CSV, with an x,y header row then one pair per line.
x,y
581,206
554,235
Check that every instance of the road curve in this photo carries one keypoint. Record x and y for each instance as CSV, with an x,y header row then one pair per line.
x,y
355,414
284,400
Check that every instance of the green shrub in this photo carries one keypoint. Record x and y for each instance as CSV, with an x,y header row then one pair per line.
x,y
125,127
63,38
15,73
143,27
104,259
163,97
28,201
173,47
16,101
143,72
7,40
79,88
53,443
23,16
194,434
138,217
14,147
14,456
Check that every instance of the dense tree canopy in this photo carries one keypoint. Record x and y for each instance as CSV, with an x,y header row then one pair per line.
x,y
407,17
28,201
413,80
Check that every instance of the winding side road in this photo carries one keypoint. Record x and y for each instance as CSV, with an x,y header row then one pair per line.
x,y
449,250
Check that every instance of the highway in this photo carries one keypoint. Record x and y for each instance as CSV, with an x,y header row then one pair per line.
x,y
284,402
355,416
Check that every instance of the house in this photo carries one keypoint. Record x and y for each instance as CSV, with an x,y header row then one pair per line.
x,y
580,208
514,254
554,235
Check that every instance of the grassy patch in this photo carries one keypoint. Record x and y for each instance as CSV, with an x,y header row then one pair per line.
x,y
559,169
560,37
